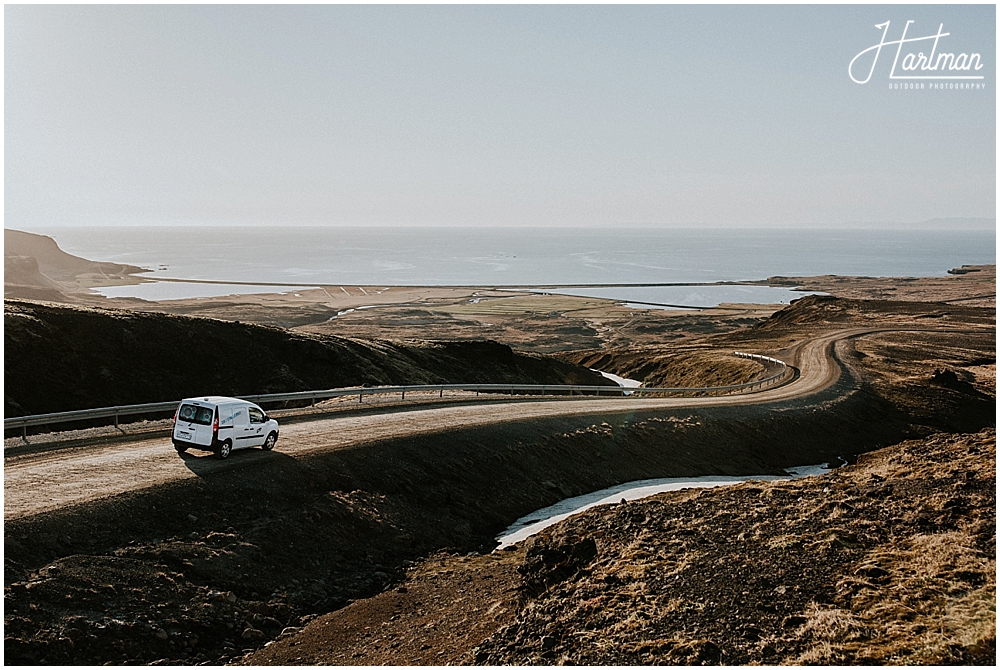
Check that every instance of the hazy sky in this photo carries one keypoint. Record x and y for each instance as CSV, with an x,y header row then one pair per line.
x,y
476,115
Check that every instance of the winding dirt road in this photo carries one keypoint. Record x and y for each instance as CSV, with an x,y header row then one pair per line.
x,y
40,482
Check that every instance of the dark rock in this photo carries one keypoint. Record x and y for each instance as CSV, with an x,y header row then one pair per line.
x,y
547,563
793,621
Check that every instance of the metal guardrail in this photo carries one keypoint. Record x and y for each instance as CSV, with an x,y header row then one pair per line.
x,y
85,414
116,412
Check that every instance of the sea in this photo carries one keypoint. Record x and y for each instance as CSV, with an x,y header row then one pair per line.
x,y
581,261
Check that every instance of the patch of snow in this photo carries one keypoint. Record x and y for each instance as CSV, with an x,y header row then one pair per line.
x,y
621,381
541,519
351,309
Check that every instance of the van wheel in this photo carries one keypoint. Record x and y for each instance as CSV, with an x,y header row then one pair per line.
x,y
180,448
225,449
269,443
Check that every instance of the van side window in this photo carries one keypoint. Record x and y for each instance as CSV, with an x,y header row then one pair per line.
x,y
256,416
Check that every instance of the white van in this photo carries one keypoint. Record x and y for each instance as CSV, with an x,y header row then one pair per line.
x,y
221,424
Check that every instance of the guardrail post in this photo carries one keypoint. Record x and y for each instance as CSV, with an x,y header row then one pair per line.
x,y
404,396
442,394
360,396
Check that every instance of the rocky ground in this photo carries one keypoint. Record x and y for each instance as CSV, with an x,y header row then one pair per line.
x,y
212,569
382,554
888,561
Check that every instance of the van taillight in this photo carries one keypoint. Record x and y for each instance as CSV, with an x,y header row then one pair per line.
x,y
215,424
176,412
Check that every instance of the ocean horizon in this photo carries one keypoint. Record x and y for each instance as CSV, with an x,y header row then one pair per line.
x,y
312,255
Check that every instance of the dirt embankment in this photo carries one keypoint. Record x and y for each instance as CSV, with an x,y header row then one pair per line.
x,y
62,358
891,560
674,367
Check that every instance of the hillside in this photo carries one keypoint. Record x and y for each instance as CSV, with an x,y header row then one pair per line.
x,y
62,358
888,561
671,367
338,556
36,268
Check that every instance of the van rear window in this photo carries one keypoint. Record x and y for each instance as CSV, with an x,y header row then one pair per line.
x,y
195,414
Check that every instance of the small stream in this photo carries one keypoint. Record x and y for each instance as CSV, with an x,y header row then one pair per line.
x,y
537,521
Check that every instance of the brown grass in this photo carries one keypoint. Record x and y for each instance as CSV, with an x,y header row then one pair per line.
x,y
941,594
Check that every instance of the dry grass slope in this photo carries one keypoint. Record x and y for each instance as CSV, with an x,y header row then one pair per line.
x,y
889,561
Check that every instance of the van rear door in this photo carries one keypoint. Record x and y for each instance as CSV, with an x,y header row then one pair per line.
x,y
194,424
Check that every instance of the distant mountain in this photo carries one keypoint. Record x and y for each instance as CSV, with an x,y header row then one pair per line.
x,y
953,223
941,223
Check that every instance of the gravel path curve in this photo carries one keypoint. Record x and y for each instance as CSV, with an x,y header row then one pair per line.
x,y
40,482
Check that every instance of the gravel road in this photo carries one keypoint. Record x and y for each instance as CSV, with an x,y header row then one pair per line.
x,y
40,482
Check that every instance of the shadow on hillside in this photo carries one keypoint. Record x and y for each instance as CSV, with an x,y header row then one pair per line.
x,y
206,464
